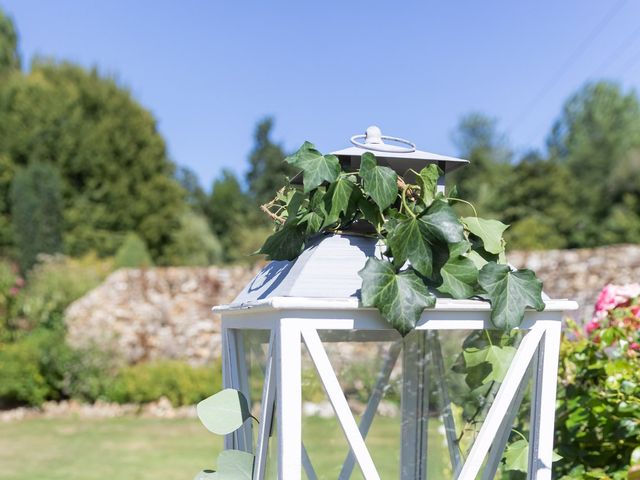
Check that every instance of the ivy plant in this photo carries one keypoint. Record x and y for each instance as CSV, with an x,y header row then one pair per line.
x,y
427,246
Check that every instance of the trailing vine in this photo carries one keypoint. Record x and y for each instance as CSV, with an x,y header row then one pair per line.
x,y
428,247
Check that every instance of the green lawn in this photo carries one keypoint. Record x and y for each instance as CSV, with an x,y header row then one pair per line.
x,y
140,449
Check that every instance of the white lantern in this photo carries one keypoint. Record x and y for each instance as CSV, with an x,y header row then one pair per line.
x,y
303,305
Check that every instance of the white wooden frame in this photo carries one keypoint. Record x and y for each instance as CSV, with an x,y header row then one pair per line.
x,y
294,322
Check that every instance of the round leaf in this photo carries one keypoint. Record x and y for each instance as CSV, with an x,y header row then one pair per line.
x,y
223,412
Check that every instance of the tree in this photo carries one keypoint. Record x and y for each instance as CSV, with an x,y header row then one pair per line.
x,y
36,211
116,177
9,58
479,141
235,219
193,244
539,201
133,253
196,197
268,170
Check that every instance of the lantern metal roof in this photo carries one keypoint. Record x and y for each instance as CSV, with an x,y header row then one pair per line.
x,y
325,276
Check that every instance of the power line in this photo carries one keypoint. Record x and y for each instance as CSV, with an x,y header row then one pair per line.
x,y
570,61
618,52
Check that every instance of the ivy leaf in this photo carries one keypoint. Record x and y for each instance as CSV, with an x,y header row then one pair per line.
x,y
294,202
223,412
510,293
460,248
285,244
380,183
499,358
490,231
316,168
337,199
370,211
235,465
442,222
516,456
459,277
400,297
407,240
428,182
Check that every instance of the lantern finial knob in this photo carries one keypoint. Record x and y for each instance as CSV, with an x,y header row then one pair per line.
x,y
373,135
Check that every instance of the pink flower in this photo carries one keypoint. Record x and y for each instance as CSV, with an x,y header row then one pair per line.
x,y
607,299
14,291
591,326
612,296
20,282
635,346
635,310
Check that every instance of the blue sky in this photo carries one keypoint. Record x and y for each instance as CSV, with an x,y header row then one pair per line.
x,y
326,70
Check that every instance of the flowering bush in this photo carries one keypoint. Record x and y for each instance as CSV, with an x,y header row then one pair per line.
x,y
598,418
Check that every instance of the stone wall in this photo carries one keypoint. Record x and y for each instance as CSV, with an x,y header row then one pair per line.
x,y
166,312
156,313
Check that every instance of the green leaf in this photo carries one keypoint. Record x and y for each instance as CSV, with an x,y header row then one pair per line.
x,y
380,183
400,297
235,465
337,199
442,222
294,202
477,259
408,241
516,456
285,244
460,248
510,293
316,168
223,412
428,182
499,358
459,277
370,211
206,475
490,231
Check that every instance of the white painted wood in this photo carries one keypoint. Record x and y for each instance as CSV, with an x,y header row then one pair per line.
x,y
447,414
266,411
543,404
352,303
306,464
504,432
229,440
414,407
372,405
242,371
501,403
339,402
289,399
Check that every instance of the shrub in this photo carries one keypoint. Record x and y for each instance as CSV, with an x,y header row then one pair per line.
x,y
20,379
133,253
193,244
180,382
41,366
56,282
598,416
10,285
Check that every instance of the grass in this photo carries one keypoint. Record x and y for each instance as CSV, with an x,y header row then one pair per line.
x,y
130,448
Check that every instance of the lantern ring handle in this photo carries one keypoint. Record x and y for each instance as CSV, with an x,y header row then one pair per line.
x,y
383,147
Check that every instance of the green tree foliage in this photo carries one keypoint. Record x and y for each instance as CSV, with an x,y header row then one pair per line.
x,y
478,139
595,137
235,219
196,197
267,171
539,199
36,211
133,253
9,58
193,244
113,162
